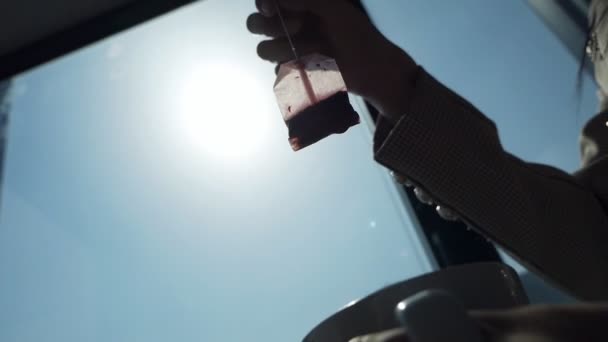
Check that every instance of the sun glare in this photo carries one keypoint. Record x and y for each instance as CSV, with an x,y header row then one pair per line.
x,y
224,111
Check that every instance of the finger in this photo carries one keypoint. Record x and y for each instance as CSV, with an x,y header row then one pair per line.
x,y
279,50
313,6
321,8
272,27
266,7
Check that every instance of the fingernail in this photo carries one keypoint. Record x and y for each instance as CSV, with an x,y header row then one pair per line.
x,y
446,214
423,196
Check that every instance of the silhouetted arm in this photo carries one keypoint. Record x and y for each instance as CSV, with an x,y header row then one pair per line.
x,y
549,220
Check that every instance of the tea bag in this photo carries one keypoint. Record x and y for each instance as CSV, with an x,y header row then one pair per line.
x,y
313,99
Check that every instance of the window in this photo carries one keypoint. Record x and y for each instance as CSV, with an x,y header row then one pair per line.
x,y
150,194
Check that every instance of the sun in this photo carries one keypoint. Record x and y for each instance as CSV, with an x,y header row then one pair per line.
x,y
223,110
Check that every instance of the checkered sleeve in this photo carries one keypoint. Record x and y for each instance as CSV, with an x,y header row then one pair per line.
x,y
547,219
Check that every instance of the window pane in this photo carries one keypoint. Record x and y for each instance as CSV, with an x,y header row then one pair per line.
x,y
151,195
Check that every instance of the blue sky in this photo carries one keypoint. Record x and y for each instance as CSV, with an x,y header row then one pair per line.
x,y
499,56
151,195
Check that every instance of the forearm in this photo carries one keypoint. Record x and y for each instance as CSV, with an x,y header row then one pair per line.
x,y
542,215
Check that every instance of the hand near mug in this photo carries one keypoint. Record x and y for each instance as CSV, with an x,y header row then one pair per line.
x,y
371,65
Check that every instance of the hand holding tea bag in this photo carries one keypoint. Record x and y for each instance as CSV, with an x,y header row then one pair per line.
x,y
371,65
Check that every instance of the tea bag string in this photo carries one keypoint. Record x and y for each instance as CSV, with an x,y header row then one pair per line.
x,y
284,24
301,67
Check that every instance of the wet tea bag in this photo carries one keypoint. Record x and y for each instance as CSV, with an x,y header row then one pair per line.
x,y
312,96
313,99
